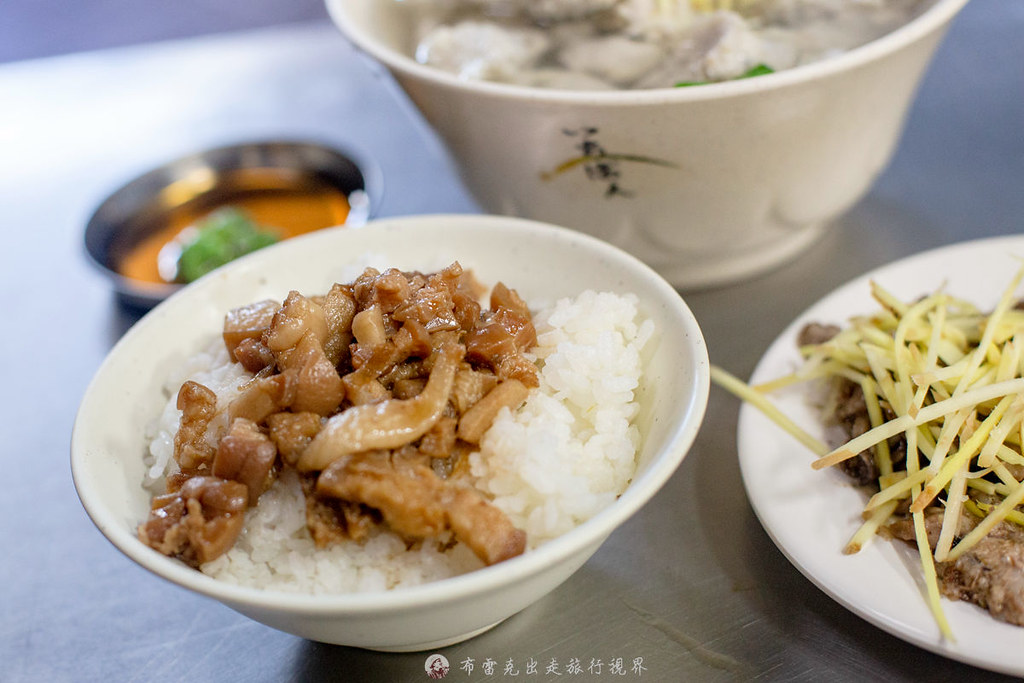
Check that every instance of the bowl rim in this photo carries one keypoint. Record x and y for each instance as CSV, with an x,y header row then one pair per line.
x,y
152,292
510,572
932,18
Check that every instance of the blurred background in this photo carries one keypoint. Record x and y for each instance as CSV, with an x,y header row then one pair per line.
x,y
42,28
73,129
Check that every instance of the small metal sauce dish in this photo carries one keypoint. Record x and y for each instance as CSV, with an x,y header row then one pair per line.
x,y
145,204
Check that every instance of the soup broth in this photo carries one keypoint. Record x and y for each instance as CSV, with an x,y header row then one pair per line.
x,y
641,44
289,203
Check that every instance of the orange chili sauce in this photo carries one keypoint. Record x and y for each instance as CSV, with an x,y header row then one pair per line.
x,y
289,202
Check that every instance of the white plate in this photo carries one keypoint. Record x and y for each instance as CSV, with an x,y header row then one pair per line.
x,y
810,515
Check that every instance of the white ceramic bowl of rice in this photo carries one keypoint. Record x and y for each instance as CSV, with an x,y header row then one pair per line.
x,y
620,433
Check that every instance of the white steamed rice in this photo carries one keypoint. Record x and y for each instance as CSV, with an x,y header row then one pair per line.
x,y
566,454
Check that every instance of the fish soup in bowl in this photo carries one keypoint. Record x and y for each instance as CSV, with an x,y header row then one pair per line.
x,y
640,44
719,179
620,388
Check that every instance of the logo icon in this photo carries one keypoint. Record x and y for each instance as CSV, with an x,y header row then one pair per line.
x,y
598,163
436,666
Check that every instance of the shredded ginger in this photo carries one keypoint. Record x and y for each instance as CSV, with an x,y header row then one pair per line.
x,y
949,379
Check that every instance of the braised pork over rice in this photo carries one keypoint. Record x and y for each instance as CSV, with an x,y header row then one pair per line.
x,y
374,394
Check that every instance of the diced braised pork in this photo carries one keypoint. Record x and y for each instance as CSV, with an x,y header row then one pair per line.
x,y
413,340
331,520
264,396
478,419
339,308
253,355
198,406
431,306
318,388
380,389
439,442
417,504
388,424
291,433
385,290
499,341
246,455
503,297
368,327
365,391
297,317
198,523
407,388
296,337
248,322
471,386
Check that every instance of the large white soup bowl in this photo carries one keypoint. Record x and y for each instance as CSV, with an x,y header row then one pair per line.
x,y
707,184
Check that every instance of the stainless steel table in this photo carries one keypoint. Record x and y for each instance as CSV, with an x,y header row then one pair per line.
x,y
692,586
